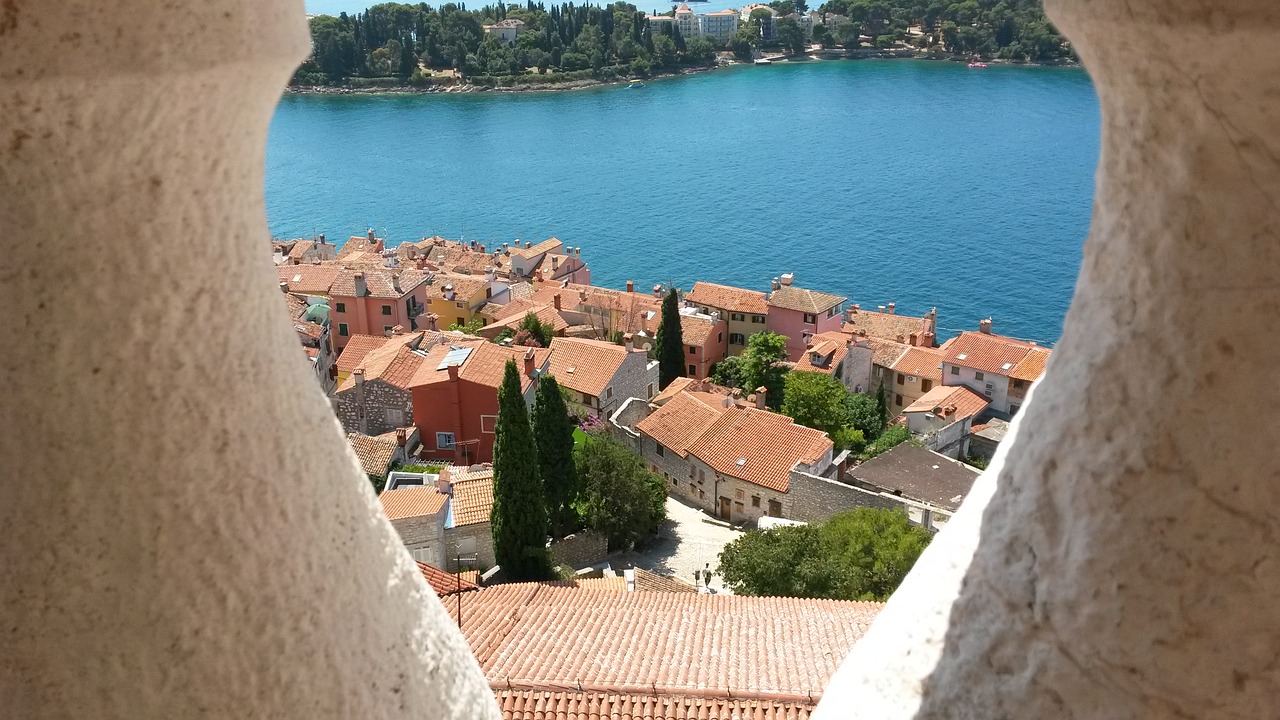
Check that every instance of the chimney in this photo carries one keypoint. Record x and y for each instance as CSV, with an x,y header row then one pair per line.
x,y
538,277
402,437
881,308
528,362
892,307
900,338
657,291
453,372
284,287
727,401
582,295
358,375
389,332
913,339
577,252
371,236
433,322
397,329
322,238
984,326
555,301
631,286
443,486
630,341
787,278
490,274
761,392
482,248
777,284
362,288
555,262
528,244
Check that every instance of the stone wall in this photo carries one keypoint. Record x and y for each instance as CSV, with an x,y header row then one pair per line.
x,y
454,545
632,380
418,531
580,550
374,398
813,499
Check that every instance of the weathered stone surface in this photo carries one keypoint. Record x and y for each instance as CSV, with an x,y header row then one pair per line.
x,y
186,533
1124,566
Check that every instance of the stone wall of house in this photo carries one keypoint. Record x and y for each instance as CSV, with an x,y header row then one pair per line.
x,y
417,531
632,380
857,368
982,448
813,499
675,470
623,422
951,440
580,550
455,544
370,404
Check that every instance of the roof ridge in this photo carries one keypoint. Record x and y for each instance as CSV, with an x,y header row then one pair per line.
x,y
653,690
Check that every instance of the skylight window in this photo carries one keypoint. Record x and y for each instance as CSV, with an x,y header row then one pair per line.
x,y
962,356
1006,366
742,461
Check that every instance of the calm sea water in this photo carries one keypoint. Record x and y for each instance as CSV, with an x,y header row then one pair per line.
x,y
919,182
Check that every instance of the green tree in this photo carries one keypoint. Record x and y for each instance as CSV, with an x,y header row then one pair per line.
x,y
882,405
790,35
819,401
620,498
894,436
471,327
670,340
760,366
822,36
864,415
729,373
532,332
553,433
519,515
861,554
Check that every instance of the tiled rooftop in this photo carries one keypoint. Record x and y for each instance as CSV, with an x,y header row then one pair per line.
x,y
359,346
1032,366
725,297
956,401
695,330
922,362
472,496
681,421
813,302
571,705
550,245
758,446
484,365
308,279
375,453
885,352
445,583
412,501
646,581
534,636
884,325
825,355
587,366
986,353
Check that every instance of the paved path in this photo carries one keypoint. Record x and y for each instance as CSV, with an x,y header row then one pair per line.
x,y
686,544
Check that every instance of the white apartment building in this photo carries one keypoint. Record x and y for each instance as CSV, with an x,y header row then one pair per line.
x,y
687,23
721,26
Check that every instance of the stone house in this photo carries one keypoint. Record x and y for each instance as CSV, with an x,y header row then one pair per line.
x,y
418,514
506,30
731,460
744,311
376,398
305,252
932,485
446,523
887,324
602,375
843,357
605,311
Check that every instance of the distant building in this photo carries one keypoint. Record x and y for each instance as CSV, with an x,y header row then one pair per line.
x,y
887,324
768,31
506,30
998,367
445,523
721,25
658,23
602,375
705,341
687,22
928,484
745,311
800,314
945,415
374,301
916,371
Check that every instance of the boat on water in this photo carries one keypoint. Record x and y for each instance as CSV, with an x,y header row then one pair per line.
x,y
978,65
635,84
763,61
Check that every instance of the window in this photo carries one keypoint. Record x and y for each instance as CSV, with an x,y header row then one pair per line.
x,y
955,370
488,292
423,555
462,321
758,319
737,339
608,392
702,495
719,337
445,441
1017,384
926,385
738,508
831,312
979,376
488,423
755,501
342,329
651,391
657,447
739,495
775,508
466,546
675,482
737,316
693,370
897,400
395,418
702,475
1013,410
901,380
811,319
341,307
693,350
386,309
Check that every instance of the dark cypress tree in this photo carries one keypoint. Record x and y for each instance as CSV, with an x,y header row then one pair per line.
x,y
670,341
553,433
519,517
882,407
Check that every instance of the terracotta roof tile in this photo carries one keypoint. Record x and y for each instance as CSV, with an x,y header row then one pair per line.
x,y
375,454
445,583
465,288
826,354
813,302
885,352
695,330
680,422
587,366
572,705
956,401
512,318
484,365
308,279
921,362
533,635
384,284
550,245
986,353
646,581
300,248
758,446
1032,366
359,346
884,325
730,299
412,501
395,362
472,497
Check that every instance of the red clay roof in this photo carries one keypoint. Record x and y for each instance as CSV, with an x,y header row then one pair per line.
x,y
695,330
1032,366
445,583
550,245
956,402
359,346
884,325
484,365
472,497
539,636
921,362
884,352
375,453
758,446
308,279
986,353
646,581
725,297
572,705
680,422
790,297
825,355
413,501
587,366
384,284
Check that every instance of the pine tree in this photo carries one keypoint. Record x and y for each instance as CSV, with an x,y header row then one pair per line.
x,y
882,406
670,341
553,433
519,517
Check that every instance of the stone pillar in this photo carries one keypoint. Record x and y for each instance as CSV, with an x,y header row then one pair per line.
x,y
1119,558
185,531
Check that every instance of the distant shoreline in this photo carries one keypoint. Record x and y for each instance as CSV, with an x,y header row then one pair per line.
x,y
587,84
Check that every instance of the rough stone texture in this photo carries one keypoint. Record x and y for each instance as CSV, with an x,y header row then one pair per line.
x,y
482,533
364,409
199,561
580,550
1125,563
813,499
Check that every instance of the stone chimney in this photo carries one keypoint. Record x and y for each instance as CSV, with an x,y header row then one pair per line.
x,y
984,326
372,238
453,372
444,485
631,286
284,287
555,301
402,437
892,308
901,339
914,339
657,291
358,375
776,284
761,396
630,341
529,365
433,322
322,238
881,308
362,287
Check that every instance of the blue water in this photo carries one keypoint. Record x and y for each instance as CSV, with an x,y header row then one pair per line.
x,y
920,182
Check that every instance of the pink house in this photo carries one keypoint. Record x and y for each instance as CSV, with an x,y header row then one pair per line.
x,y
372,302
800,314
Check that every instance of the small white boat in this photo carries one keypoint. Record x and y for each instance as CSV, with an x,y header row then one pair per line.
x,y
763,61
635,84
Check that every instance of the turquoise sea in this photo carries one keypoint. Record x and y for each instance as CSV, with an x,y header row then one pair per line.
x,y
924,183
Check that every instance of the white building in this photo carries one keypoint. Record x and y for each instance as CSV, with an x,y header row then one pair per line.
x,y
506,30
687,23
721,26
